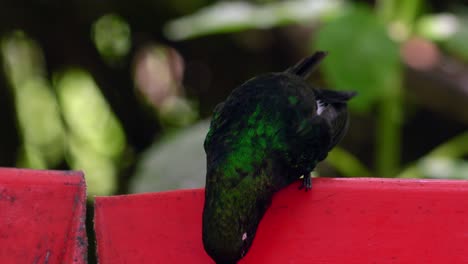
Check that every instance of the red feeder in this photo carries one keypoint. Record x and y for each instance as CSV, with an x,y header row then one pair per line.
x,y
42,216
338,221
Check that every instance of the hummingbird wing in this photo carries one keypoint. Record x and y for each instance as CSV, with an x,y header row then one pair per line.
x,y
310,143
307,65
337,117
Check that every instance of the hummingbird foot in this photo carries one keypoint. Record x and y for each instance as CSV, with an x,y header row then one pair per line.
x,y
306,183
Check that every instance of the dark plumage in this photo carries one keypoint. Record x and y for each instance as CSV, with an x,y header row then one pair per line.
x,y
269,132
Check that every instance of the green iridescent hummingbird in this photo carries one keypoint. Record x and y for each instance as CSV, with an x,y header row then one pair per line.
x,y
269,132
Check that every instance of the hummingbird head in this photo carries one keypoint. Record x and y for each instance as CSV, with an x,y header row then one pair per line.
x,y
227,242
332,106
230,221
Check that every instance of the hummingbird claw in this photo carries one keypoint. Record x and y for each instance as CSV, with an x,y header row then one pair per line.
x,y
306,183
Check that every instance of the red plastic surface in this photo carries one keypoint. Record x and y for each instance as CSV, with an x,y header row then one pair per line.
x,y
42,216
338,221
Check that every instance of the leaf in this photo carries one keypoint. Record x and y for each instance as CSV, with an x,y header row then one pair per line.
x,y
443,168
87,113
362,57
438,27
450,30
235,16
96,140
112,36
447,153
456,43
40,123
37,109
175,163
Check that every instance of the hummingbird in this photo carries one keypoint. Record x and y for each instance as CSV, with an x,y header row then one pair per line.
x,y
269,132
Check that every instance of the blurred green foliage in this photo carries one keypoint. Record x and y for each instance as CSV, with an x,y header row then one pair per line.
x,y
364,46
112,37
95,138
232,16
124,92
36,105
159,168
456,43
369,61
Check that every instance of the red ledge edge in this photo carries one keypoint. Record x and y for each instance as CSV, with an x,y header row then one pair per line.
x,y
42,216
358,220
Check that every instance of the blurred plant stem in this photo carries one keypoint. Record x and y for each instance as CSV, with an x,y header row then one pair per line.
x,y
386,9
389,130
347,164
388,123
409,11
456,147
405,11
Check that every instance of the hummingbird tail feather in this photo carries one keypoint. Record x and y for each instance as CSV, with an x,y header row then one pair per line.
x,y
307,65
